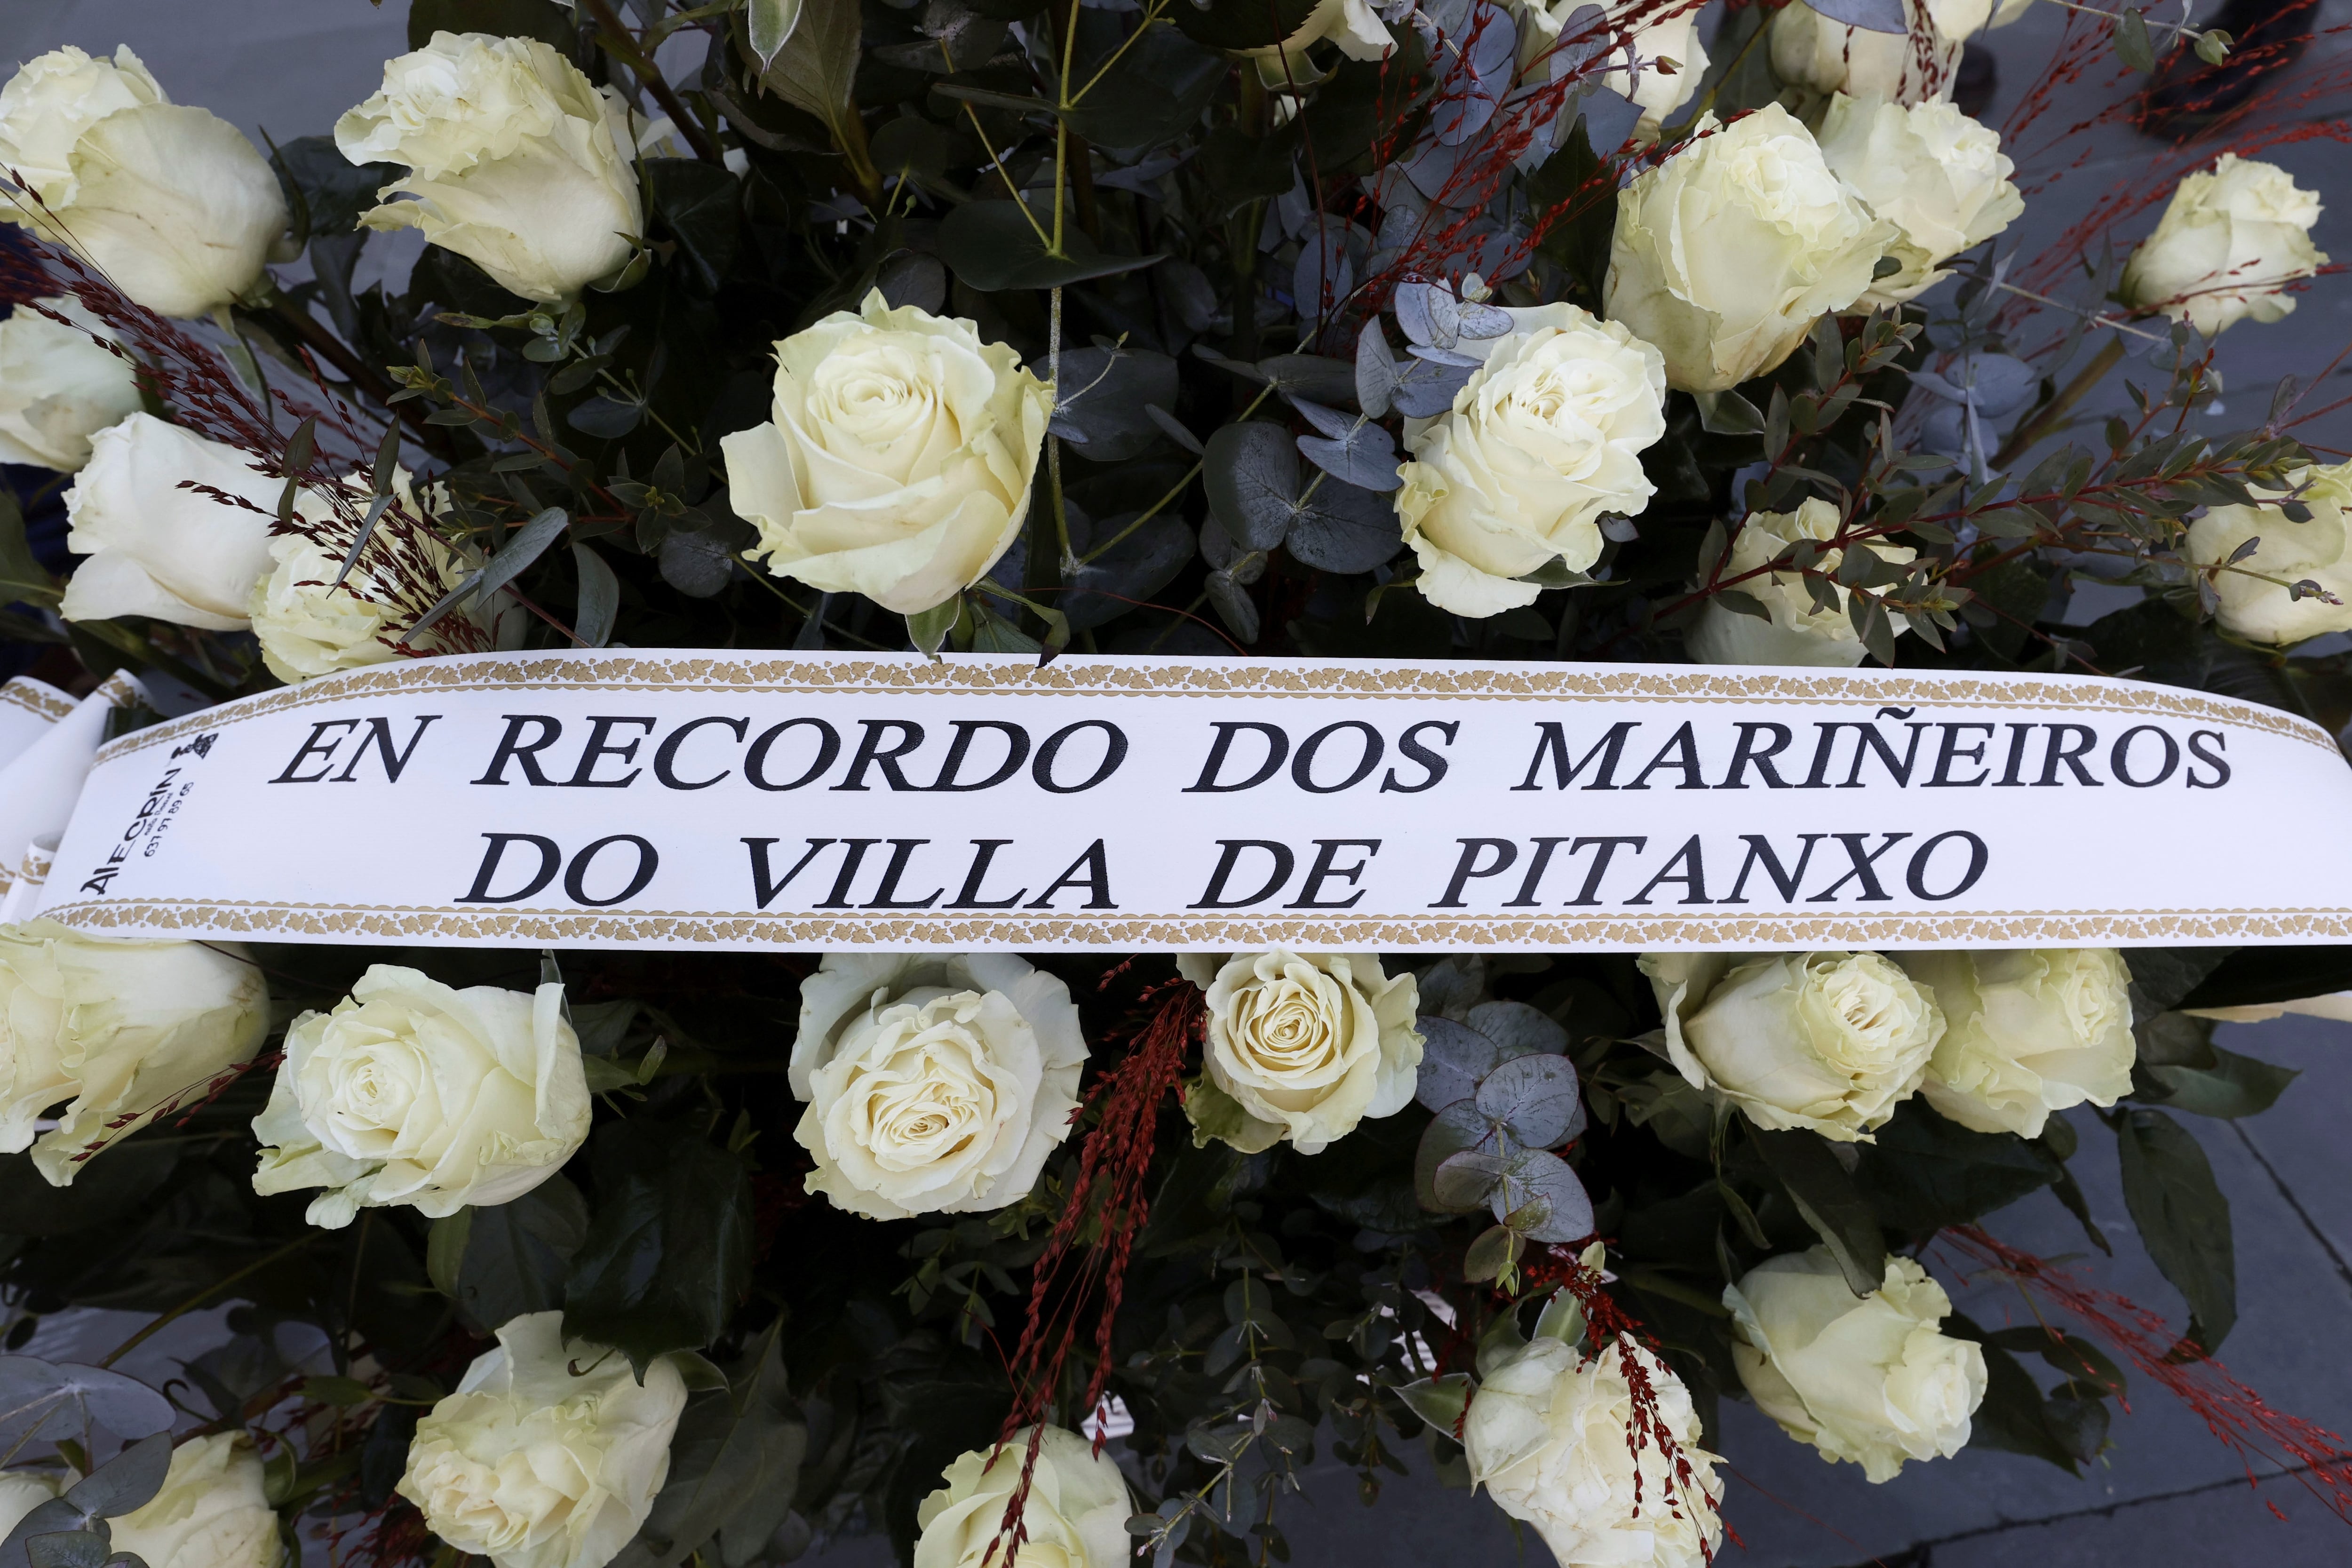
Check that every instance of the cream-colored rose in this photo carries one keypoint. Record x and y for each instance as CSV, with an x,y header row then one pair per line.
x,y
212,1511
414,1093
1812,50
1546,1436
535,1464
2027,1033
1829,1041
1869,1379
515,162
2231,240
1725,255
2254,598
22,1492
58,386
157,548
1353,25
1672,60
1301,1046
1075,1516
309,626
935,1085
120,1028
170,202
1797,633
1543,438
900,460
1932,171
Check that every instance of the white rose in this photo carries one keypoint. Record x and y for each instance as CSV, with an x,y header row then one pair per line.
x,y
1075,1516
1301,1046
120,1028
170,202
1829,1041
1932,171
1353,25
1672,42
1545,437
22,1492
2254,597
935,1085
1725,255
535,1466
1797,632
2231,240
1547,1435
2027,1033
212,1511
515,160
157,548
309,626
412,1092
1921,65
1869,1379
900,460
59,387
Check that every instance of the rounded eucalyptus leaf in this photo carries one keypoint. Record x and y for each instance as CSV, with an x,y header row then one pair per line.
x,y
1250,472
126,1481
1466,1181
1534,1098
1104,395
1541,1199
1519,1028
54,1399
1134,569
1344,528
1453,1058
1457,1127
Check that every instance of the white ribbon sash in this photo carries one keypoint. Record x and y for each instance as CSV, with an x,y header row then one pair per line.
x,y
635,799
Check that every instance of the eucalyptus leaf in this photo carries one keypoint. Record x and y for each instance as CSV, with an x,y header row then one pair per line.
x,y
1250,471
1344,528
59,1398
1534,1098
1104,398
1454,1059
994,244
1540,1198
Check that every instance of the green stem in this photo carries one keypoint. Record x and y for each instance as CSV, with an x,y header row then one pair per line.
x,y
2042,423
198,1299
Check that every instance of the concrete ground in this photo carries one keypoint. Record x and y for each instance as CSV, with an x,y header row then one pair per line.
x,y
2165,1491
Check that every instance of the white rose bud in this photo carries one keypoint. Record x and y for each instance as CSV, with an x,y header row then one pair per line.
x,y
157,548
515,162
212,1511
1869,1379
1725,255
900,460
2027,1033
57,387
1797,633
120,1028
1075,1516
1545,437
170,202
1932,171
535,1466
412,1092
1829,1041
934,1085
1545,1434
2254,597
2231,240
1301,1046
309,626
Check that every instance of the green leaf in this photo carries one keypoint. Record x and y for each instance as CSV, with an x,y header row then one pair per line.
x,y
2232,1086
2166,974
771,23
733,1468
445,1250
2183,1219
927,629
600,597
326,188
2076,1357
2012,1417
1924,1172
992,246
1830,1202
1250,471
513,1256
701,203
668,1252
815,66
2132,45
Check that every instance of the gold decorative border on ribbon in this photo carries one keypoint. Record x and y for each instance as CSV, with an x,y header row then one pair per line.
x,y
1156,677
2004,928
34,697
